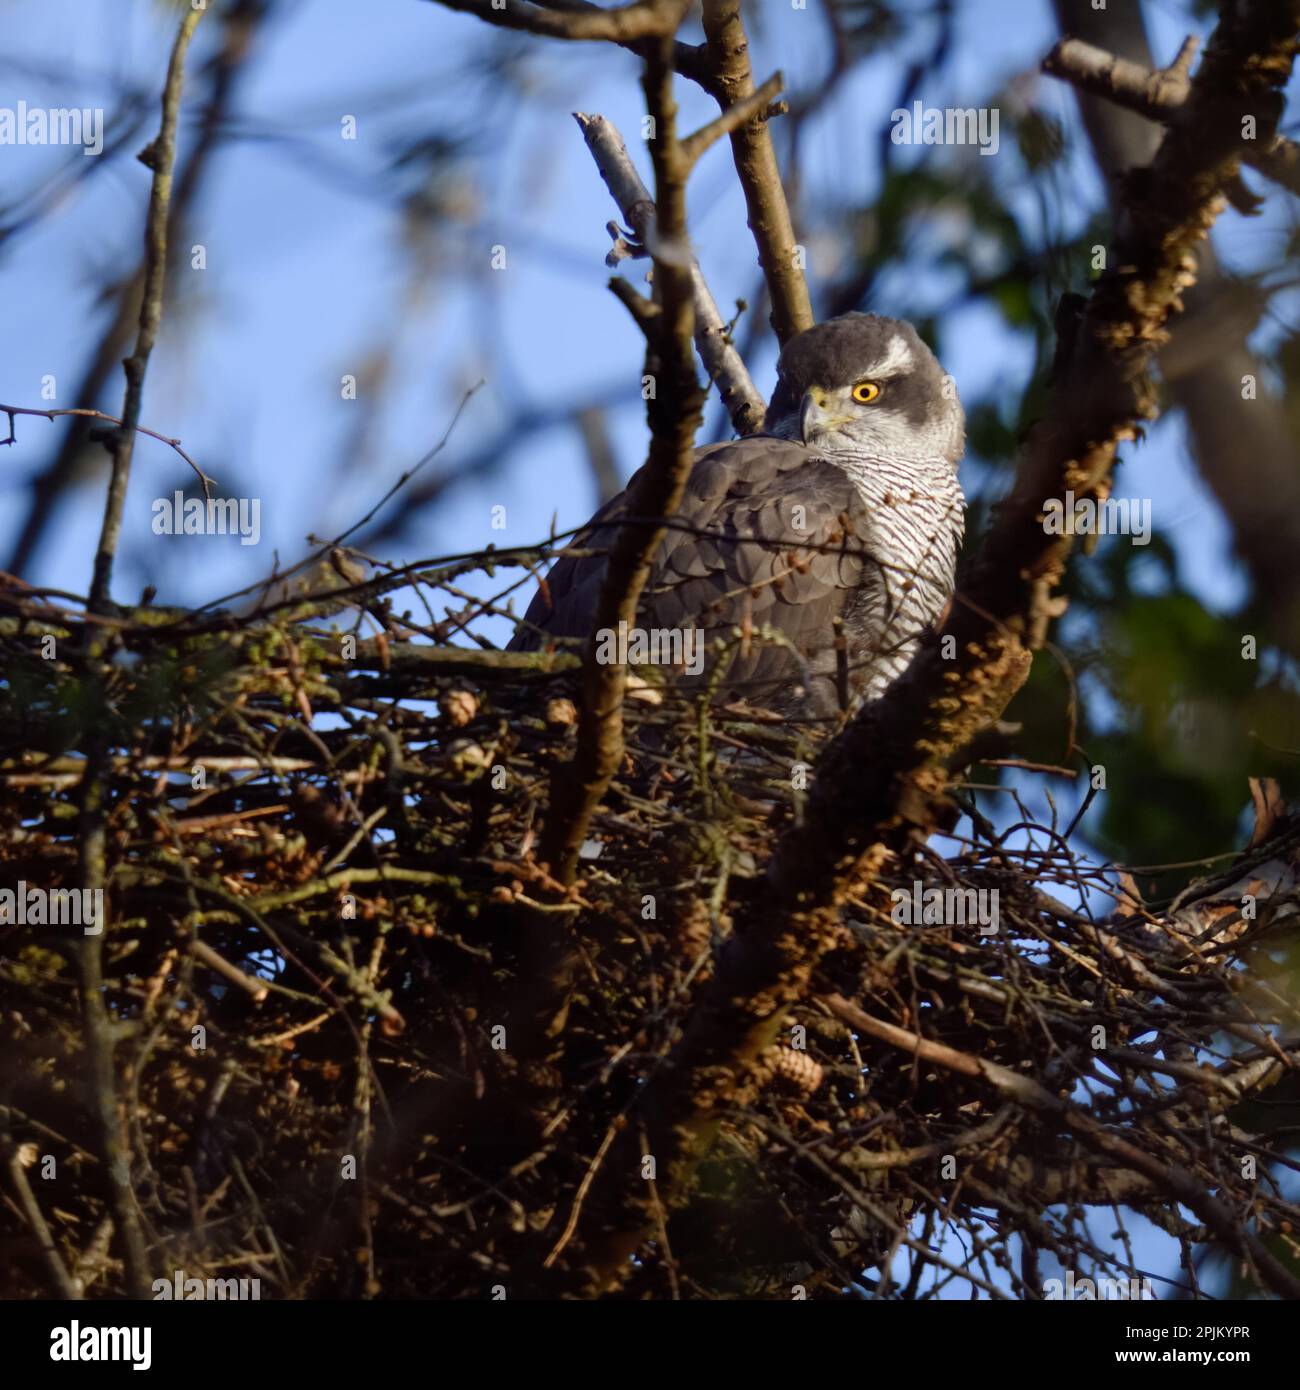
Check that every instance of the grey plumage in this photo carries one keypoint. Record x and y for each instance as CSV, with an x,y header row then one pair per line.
x,y
843,508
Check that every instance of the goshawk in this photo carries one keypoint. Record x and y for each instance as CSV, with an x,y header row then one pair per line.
x,y
846,507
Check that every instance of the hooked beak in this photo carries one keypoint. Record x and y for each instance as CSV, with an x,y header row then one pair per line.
x,y
814,419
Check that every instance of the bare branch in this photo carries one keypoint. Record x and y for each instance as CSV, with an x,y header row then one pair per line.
x,y
1153,92
1024,1090
159,156
626,24
645,311
102,1080
65,1286
689,59
1159,94
240,23
13,411
732,82
721,360
201,951
750,109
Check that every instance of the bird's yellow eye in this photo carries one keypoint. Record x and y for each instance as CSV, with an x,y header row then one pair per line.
x,y
865,392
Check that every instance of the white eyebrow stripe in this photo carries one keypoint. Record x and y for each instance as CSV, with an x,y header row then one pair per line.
x,y
897,358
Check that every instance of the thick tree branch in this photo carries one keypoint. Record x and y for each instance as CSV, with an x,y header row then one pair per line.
x,y
624,24
732,82
673,412
1159,94
689,59
1245,449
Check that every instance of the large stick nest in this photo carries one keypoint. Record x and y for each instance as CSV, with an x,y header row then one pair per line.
x,y
324,916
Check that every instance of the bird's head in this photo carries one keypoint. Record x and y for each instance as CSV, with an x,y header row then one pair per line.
x,y
865,385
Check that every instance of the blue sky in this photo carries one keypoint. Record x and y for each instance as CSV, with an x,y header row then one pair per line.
x,y
307,273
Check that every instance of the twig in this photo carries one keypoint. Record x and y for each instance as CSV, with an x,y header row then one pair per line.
x,y
1027,1092
11,411
732,118
65,1286
241,22
579,1197
201,951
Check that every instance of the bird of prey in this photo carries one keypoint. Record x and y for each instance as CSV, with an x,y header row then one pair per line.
x,y
842,519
